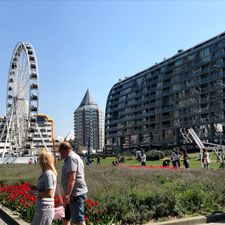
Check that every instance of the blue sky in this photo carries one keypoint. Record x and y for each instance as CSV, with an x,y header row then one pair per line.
x,y
92,44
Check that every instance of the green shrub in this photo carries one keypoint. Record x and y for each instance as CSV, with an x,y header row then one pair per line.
x,y
168,152
129,158
154,155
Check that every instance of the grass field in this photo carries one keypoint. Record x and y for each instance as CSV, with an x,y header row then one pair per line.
x,y
194,163
12,173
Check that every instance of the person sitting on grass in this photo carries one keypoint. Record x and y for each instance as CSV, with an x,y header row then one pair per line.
x,y
166,162
115,163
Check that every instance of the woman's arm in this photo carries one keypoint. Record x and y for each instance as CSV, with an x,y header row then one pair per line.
x,y
48,190
46,194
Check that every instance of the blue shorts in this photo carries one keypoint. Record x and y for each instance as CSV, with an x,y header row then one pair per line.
x,y
74,211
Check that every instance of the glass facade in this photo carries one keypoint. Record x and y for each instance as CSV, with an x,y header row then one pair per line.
x,y
186,90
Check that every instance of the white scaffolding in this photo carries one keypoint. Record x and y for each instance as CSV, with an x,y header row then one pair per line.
x,y
190,135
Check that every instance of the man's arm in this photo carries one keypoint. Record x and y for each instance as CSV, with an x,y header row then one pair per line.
x,y
70,185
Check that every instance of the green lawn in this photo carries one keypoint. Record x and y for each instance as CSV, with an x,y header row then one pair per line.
x,y
194,163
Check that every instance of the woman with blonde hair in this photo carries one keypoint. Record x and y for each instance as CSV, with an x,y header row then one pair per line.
x,y
45,188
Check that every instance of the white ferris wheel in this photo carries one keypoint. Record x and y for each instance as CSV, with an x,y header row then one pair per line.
x,y
21,101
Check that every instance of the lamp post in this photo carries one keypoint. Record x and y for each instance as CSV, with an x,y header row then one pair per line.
x,y
221,151
220,130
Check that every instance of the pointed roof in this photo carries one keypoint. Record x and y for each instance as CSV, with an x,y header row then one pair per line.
x,y
70,136
87,100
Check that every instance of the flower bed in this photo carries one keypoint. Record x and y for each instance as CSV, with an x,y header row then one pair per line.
x,y
17,197
153,167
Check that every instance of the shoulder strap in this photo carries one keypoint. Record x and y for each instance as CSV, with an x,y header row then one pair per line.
x,y
59,193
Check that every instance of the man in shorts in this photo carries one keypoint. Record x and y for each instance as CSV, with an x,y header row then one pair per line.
x,y
74,185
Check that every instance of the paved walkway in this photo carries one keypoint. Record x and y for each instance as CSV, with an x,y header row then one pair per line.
x,y
2,222
8,217
214,223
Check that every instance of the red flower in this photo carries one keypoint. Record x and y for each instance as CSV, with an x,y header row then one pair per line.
x,y
86,218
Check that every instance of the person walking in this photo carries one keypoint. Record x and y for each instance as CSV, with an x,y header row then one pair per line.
x,y
143,158
45,190
98,160
186,160
74,185
174,158
205,159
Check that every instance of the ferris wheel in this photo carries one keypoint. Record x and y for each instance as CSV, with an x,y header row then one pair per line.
x,y
21,101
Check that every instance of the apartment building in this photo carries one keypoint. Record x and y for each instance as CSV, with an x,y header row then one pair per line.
x,y
89,124
151,107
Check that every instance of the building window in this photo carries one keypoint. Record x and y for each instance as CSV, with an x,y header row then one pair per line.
x,y
204,55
